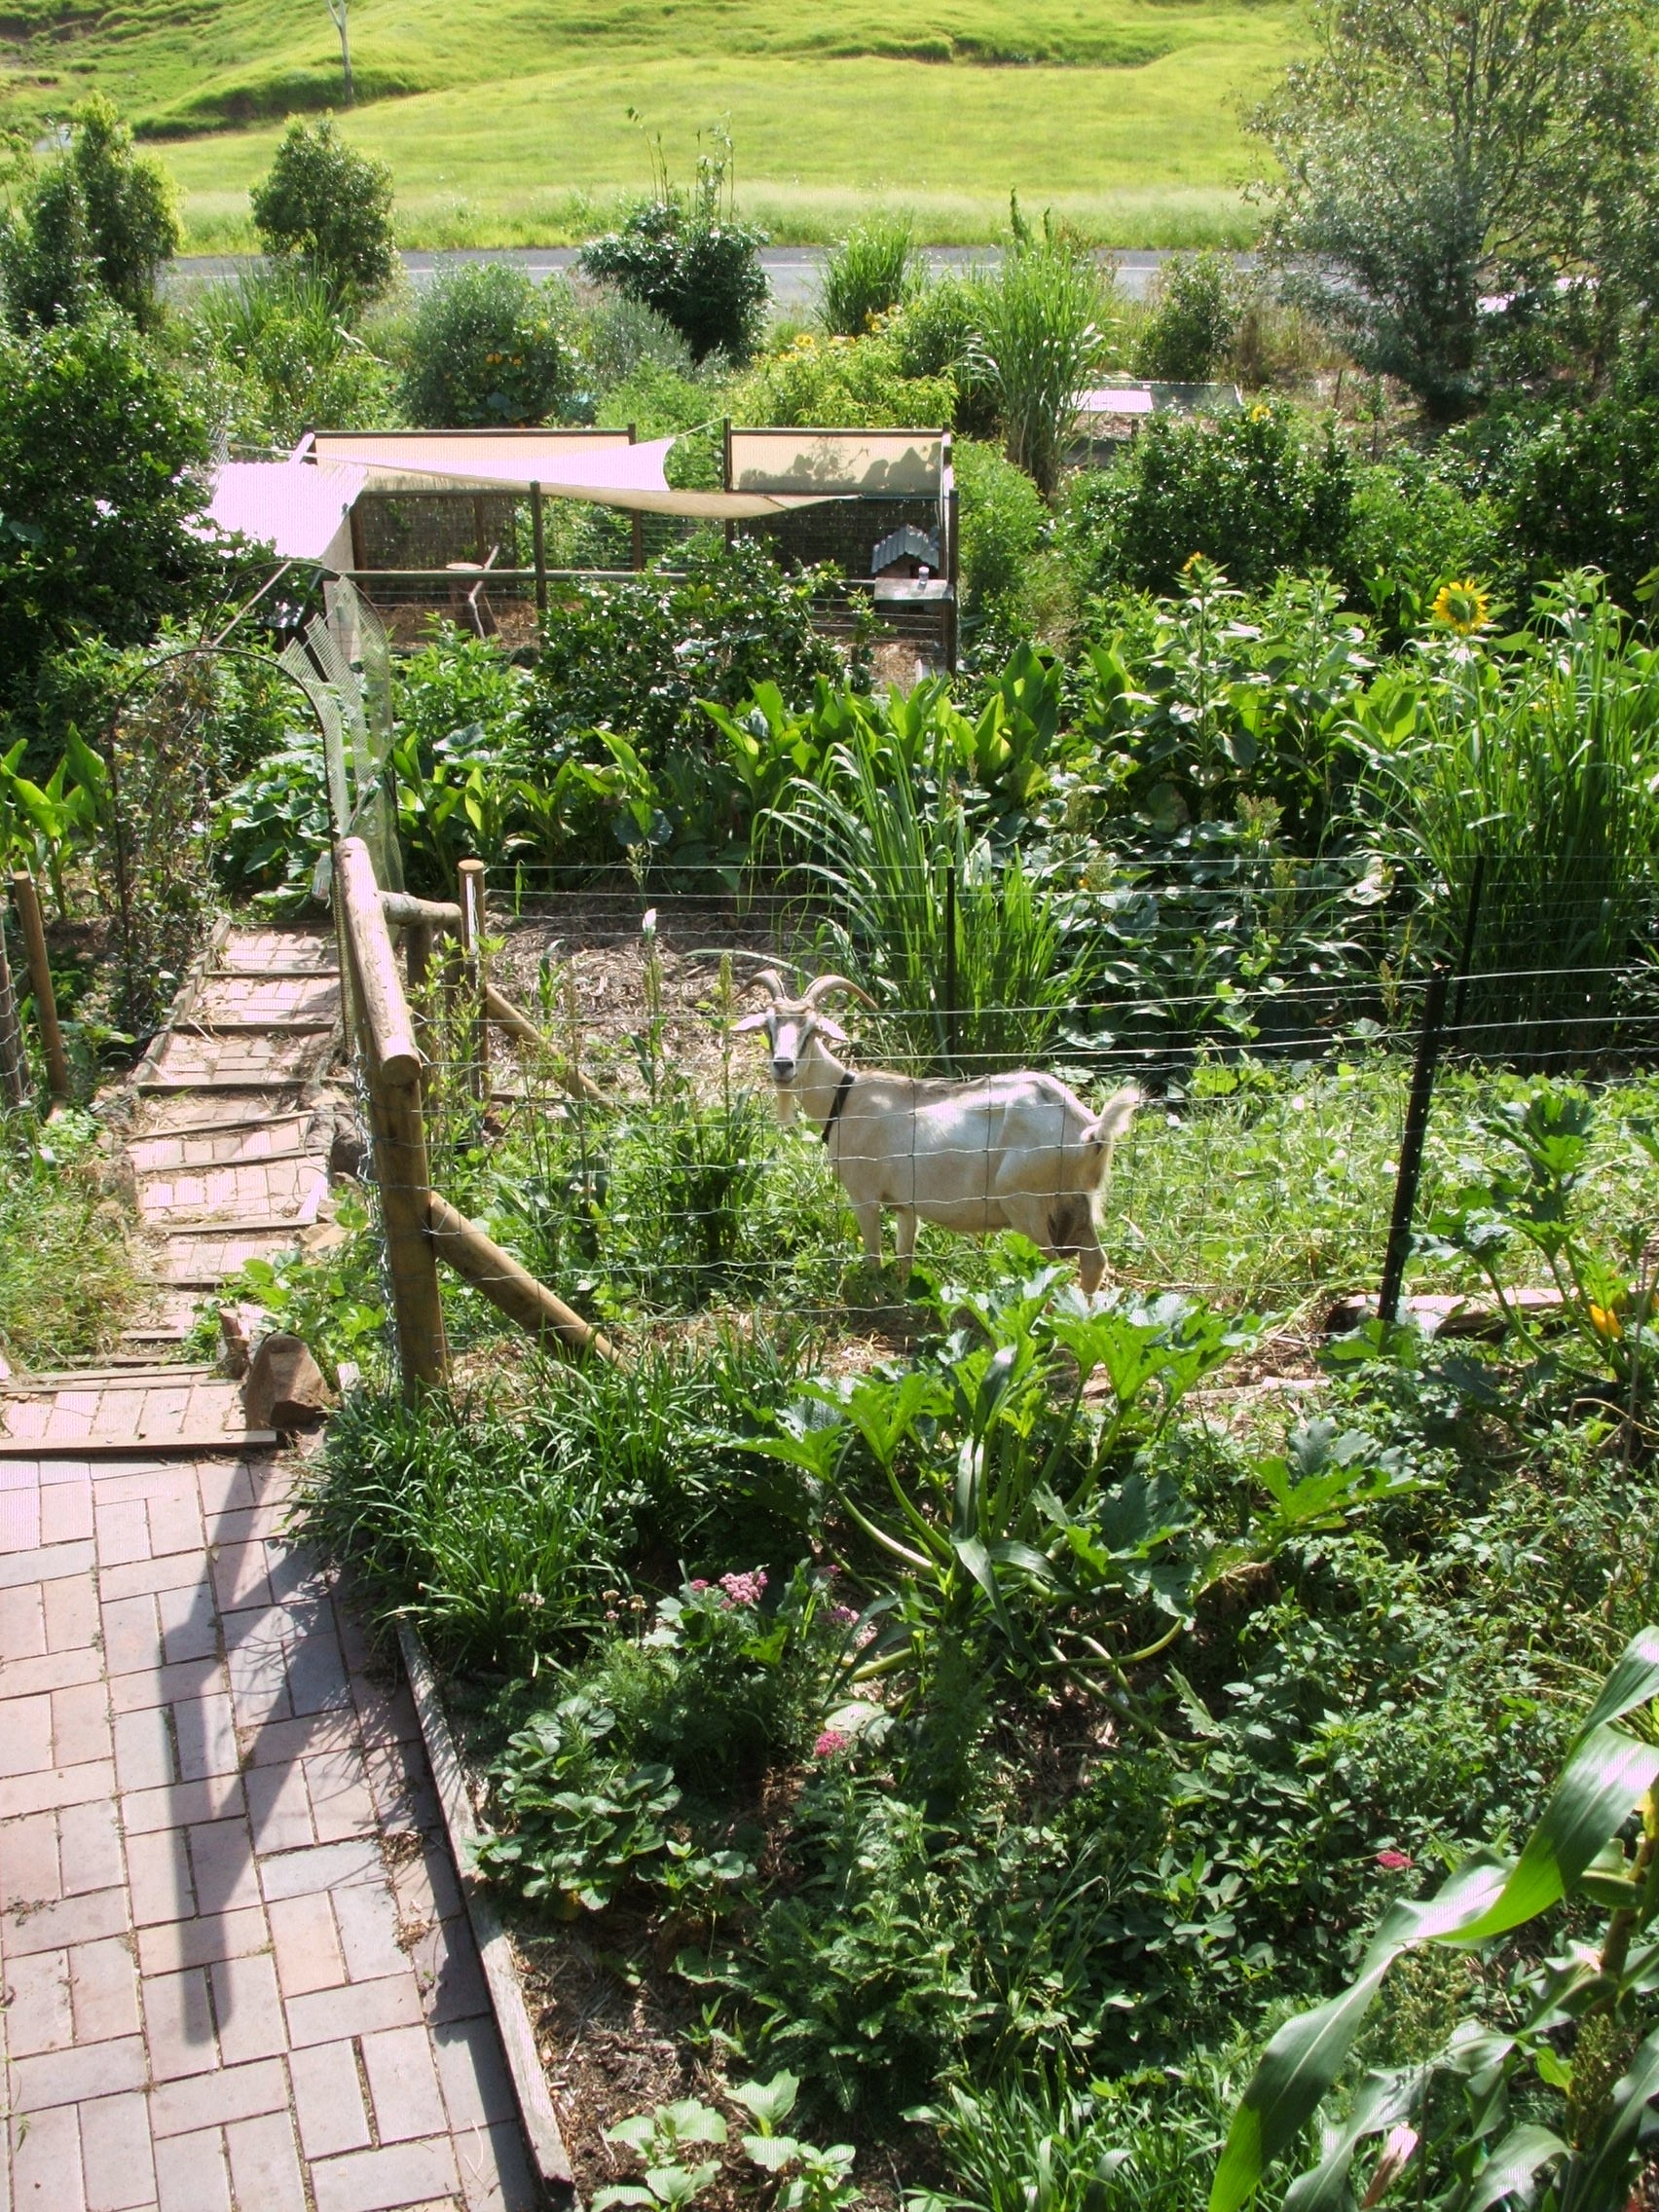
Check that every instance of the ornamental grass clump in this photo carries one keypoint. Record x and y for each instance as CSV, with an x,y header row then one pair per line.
x,y
1042,337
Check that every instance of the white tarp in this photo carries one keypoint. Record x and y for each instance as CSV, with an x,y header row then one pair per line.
x,y
604,469
301,509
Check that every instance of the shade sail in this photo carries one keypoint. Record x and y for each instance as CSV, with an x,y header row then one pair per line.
x,y
301,509
603,468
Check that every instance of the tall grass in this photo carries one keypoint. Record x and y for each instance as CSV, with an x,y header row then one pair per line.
x,y
872,270
68,1275
1042,336
1542,766
965,982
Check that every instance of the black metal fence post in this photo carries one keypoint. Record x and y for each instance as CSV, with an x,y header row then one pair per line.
x,y
1411,1146
1471,931
950,966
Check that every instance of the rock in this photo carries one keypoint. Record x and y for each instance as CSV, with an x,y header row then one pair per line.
x,y
285,1386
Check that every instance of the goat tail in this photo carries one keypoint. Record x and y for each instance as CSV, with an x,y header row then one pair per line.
x,y
1103,1132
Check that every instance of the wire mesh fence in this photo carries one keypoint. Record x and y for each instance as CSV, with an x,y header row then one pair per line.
x,y
600,1116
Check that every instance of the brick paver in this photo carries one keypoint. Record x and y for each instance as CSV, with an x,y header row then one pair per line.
x,y
236,1966
236,1972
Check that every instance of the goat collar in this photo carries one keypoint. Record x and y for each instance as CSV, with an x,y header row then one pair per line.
x,y
835,1105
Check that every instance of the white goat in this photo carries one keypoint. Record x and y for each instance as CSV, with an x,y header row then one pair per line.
x,y
1017,1151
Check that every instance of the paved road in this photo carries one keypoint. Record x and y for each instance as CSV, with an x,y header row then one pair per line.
x,y
792,269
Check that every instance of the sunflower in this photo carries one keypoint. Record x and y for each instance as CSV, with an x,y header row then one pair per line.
x,y
1462,607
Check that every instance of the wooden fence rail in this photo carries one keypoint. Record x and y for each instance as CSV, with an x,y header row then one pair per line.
x,y
421,1226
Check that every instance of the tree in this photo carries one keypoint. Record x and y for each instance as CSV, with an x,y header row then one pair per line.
x,y
329,207
98,217
114,544
687,256
1437,154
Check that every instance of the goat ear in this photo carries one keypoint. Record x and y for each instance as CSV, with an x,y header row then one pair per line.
x,y
750,1021
827,1028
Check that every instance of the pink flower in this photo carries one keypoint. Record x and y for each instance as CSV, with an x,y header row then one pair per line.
x,y
831,1740
844,1614
1394,1862
699,1584
743,1588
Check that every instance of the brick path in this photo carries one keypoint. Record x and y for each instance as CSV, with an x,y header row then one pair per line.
x,y
237,1971
236,1975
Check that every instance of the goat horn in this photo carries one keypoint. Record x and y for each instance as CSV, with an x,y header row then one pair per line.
x,y
823,985
770,980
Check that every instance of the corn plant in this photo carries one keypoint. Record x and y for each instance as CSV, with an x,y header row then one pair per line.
x,y
1571,2030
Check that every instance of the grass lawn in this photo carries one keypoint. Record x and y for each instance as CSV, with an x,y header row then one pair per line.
x,y
516,130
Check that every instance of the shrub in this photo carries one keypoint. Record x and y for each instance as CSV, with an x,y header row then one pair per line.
x,y
1193,321
1041,339
620,335
1414,528
98,218
871,271
329,207
936,333
688,257
111,544
487,345
1247,491
280,356
132,221
1000,523
850,384
1582,491
640,655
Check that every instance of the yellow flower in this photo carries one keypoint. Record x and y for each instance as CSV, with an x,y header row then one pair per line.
x,y
1462,607
1261,414
1603,1323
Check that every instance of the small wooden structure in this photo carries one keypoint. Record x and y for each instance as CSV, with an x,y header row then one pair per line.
x,y
882,482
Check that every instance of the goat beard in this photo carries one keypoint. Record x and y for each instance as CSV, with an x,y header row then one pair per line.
x,y
789,1105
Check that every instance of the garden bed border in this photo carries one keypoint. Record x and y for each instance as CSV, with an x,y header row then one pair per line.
x,y
502,1978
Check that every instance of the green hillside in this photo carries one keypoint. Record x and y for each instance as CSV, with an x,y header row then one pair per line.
x,y
511,122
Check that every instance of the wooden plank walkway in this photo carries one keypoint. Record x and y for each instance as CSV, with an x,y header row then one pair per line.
x,y
236,1973
229,1155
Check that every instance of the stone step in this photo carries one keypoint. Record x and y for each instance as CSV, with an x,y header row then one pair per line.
x,y
225,1144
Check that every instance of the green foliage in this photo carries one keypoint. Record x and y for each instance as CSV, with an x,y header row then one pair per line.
x,y
851,383
328,207
686,256
333,1303
1193,321
871,271
661,2140
497,1555
1483,2140
1005,1505
1249,491
67,1277
1536,1204
641,655
487,345
1582,491
95,220
282,358
1464,152
937,333
1002,524
1042,339
1541,761
110,544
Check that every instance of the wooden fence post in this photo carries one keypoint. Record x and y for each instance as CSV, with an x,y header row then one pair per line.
x,y
28,900
472,925
386,1040
13,1062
